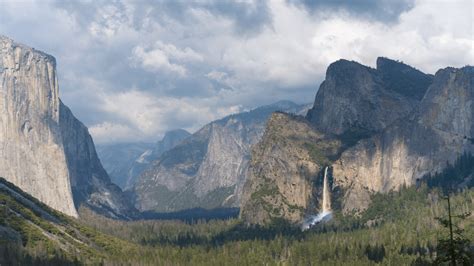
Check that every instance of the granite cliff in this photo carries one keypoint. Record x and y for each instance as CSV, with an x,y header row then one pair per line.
x,y
354,106
438,131
358,101
44,149
284,169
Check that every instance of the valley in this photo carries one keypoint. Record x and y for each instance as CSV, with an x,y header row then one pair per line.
x,y
236,133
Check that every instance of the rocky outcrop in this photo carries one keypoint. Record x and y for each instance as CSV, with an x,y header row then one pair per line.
x,y
126,161
90,182
439,131
209,168
44,149
358,101
354,104
284,168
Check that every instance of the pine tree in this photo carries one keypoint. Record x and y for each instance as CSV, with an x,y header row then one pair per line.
x,y
454,250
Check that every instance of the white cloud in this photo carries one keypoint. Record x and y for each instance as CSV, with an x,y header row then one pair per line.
x,y
140,115
134,69
109,132
164,57
155,60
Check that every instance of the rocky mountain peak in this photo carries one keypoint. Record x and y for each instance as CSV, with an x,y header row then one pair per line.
x,y
344,72
403,78
358,100
172,137
388,127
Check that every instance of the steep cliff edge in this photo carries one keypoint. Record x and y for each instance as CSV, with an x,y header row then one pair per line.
x,y
44,149
439,131
31,149
285,166
90,183
358,101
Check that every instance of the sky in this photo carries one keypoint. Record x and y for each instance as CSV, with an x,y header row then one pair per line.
x,y
132,70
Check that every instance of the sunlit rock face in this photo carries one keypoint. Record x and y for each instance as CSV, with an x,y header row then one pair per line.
x,y
438,131
44,149
283,170
31,149
388,127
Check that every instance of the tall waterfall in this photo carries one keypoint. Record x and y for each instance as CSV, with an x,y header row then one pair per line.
x,y
325,214
326,206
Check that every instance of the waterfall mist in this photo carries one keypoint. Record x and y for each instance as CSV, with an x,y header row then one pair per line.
x,y
325,214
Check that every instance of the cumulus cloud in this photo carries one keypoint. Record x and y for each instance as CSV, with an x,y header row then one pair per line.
x,y
131,70
140,115
164,57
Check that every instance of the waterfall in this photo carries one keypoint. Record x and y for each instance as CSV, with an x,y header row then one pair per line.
x,y
325,214
326,206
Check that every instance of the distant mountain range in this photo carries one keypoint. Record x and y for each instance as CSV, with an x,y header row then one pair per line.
x,y
125,161
208,169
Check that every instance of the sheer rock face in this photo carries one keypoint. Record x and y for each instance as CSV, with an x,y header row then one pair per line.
x,y
354,104
285,166
440,130
126,161
31,149
43,149
209,168
356,99
91,184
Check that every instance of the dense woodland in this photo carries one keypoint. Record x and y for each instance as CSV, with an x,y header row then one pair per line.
x,y
399,228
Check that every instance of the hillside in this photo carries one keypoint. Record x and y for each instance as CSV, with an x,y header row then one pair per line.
x,y
401,224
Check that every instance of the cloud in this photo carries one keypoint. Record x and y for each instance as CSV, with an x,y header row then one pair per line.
x,y
381,10
131,70
140,115
164,57
107,132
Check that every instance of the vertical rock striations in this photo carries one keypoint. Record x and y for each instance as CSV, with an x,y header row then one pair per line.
x,y
90,183
439,131
44,149
356,101
354,104
31,148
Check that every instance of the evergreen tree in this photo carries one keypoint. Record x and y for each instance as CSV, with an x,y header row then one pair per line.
x,y
455,249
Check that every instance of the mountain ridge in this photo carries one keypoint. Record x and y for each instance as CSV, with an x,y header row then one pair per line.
x,y
207,169
370,159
